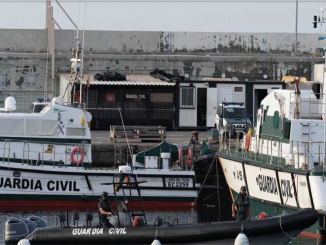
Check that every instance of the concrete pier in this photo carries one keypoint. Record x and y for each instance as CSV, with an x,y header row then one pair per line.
x,y
103,150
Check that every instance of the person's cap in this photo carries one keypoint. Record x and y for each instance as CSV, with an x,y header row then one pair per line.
x,y
243,188
104,194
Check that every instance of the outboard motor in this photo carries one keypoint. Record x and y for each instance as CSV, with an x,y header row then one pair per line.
x,y
15,230
30,224
123,214
41,223
89,218
114,221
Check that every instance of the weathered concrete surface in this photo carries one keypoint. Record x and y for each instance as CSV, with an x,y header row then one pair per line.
x,y
35,41
103,153
247,56
206,42
103,150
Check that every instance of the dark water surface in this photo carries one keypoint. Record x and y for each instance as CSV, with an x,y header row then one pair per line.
x,y
190,217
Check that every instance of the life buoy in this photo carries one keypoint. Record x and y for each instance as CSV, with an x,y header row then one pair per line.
x,y
80,159
127,181
116,186
134,224
179,155
263,215
248,140
189,158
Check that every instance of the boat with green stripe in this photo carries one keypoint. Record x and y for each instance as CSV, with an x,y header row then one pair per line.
x,y
282,163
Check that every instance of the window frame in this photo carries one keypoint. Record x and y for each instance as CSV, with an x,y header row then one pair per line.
x,y
188,105
242,89
3,77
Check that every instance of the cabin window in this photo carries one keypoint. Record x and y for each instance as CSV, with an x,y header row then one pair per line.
x,y
76,131
287,129
41,127
238,89
31,81
16,174
2,80
264,115
276,119
12,126
188,97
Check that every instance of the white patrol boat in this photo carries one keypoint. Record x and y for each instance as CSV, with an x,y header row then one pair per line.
x,y
282,163
46,160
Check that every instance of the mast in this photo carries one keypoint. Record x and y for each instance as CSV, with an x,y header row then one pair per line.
x,y
297,93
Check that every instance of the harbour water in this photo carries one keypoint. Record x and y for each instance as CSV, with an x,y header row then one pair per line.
x,y
190,217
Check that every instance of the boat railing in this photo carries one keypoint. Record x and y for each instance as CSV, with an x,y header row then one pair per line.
x,y
78,105
300,154
40,155
313,105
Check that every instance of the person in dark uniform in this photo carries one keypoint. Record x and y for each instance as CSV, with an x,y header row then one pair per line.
x,y
104,209
243,205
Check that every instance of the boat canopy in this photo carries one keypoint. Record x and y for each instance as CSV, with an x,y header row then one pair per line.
x,y
157,150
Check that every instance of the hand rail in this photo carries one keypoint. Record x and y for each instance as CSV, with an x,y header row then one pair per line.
x,y
4,150
24,152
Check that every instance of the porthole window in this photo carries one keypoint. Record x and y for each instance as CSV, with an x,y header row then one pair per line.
x,y
16,174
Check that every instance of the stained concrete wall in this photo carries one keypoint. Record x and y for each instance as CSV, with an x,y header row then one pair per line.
x,y
247,56
35,41
272,43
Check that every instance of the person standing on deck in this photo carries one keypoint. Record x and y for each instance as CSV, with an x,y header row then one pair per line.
x,y
104,210
243,205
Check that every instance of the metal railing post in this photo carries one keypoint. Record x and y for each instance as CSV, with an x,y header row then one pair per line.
x,y
267,150
305,151
4,151
271,161
53,155
66,156
42,154
319,154
298,154
229,142
23,153
261,153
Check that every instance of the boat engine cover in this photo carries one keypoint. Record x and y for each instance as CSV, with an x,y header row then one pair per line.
x,y
30,224
114,221
125,169
15,230
41,223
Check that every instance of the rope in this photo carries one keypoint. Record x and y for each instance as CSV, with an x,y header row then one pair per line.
x,y
132,160
293,181
218,192
292,238
242,228
204,181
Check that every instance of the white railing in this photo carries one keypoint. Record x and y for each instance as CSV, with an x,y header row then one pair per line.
x,y
26,153
299,154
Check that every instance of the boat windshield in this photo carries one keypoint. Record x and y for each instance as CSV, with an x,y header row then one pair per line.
x,y
233,112
38,108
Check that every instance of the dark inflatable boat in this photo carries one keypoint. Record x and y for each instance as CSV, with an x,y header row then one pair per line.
x,y
268,231
205,164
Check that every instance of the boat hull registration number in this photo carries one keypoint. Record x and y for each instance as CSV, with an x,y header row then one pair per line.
x,y
177,182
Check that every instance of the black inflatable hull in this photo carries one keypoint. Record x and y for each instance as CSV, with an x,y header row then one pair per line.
x,y
204,164
258,231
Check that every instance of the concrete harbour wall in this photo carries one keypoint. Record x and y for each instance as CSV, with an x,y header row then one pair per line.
x,y
247,56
